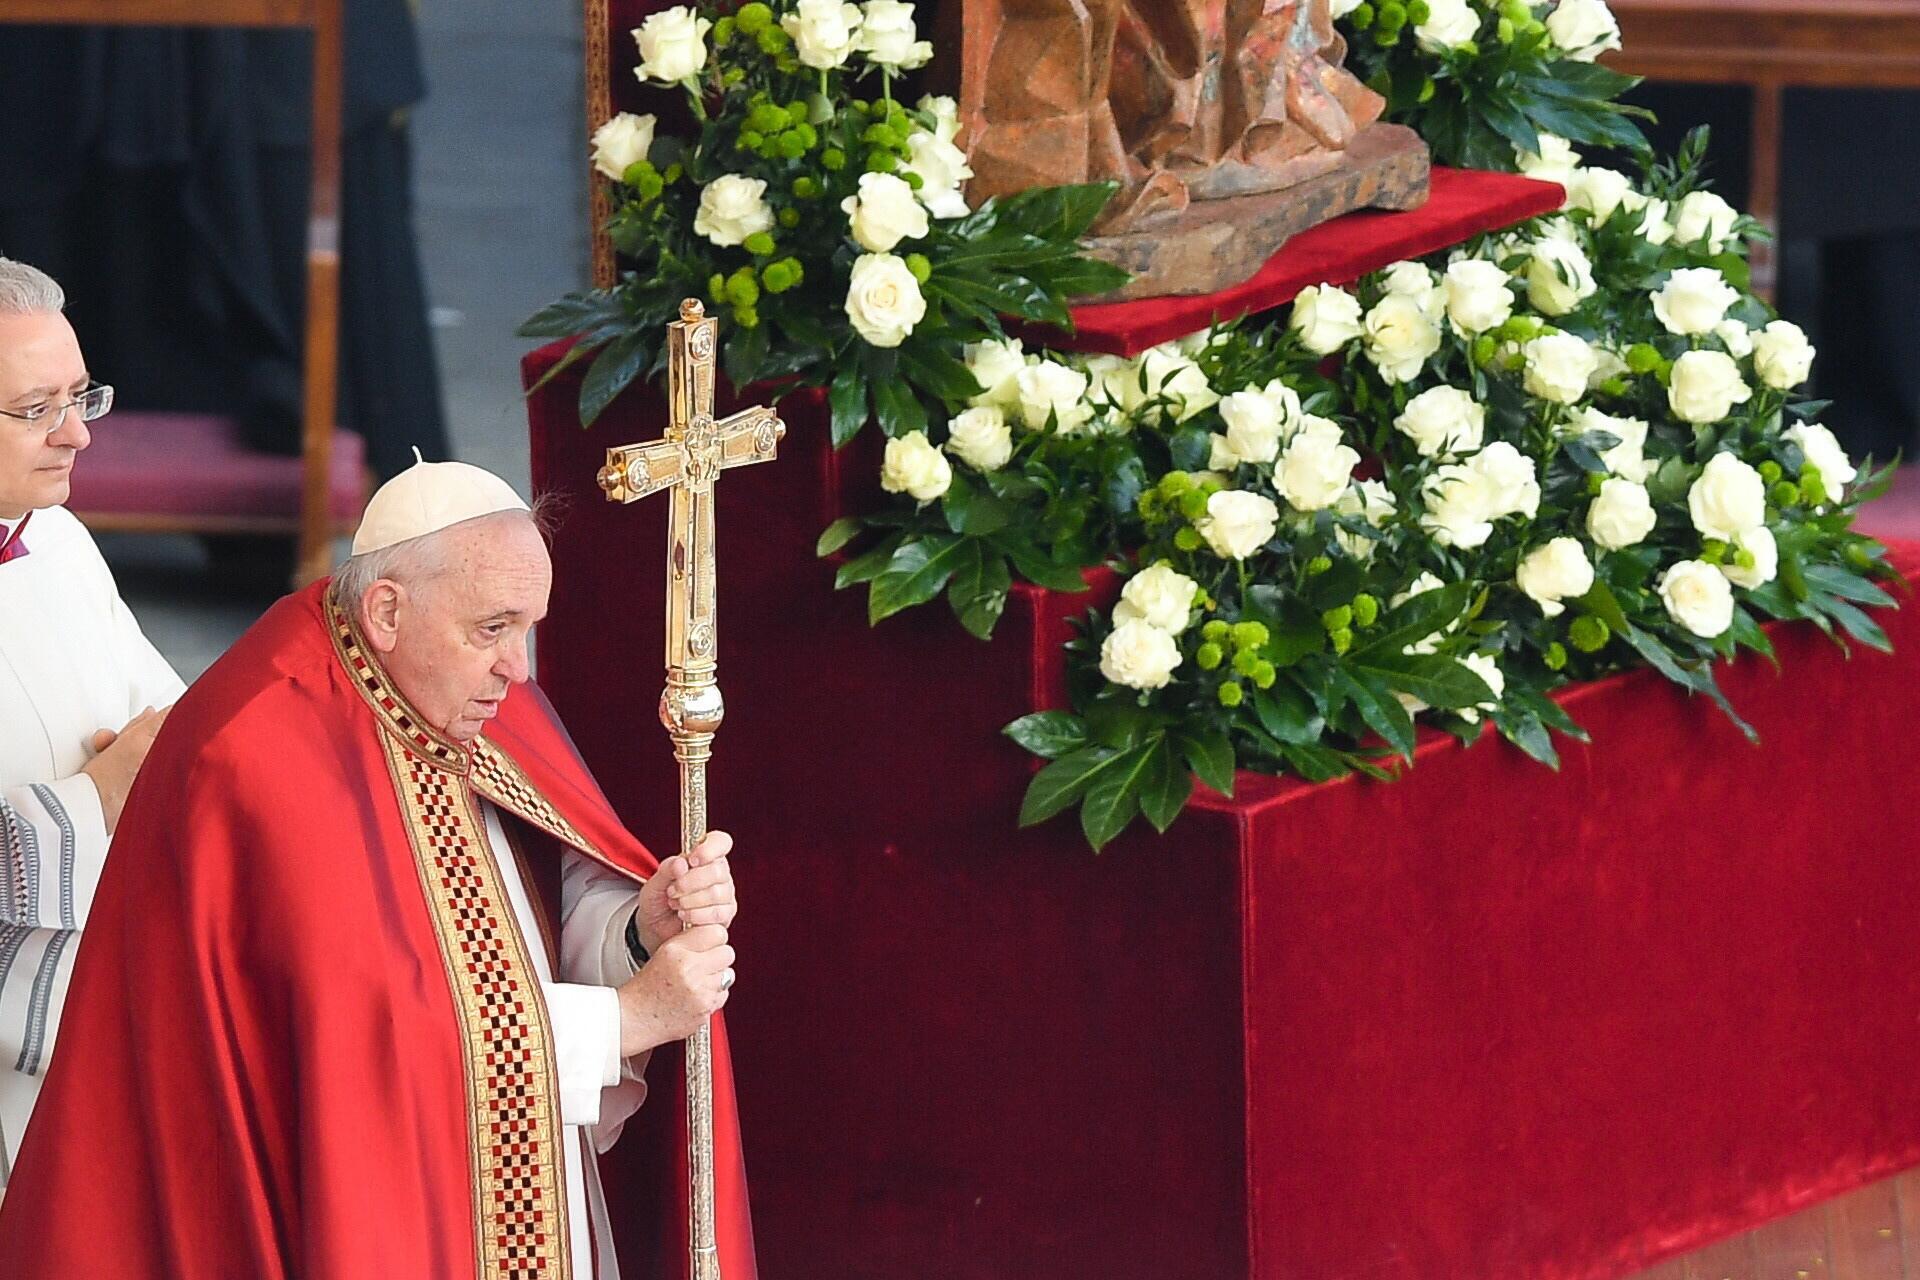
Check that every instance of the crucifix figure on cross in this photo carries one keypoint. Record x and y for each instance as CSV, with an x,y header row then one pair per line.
x,y
688,461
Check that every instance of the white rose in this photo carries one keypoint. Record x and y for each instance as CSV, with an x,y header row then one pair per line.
x,y
1478,297
994,365
1554,162
1698,597
1314,472
1705,385
942,168
1585,29
1373,503
1116,382
1782,356
1139,655
1339,9
1735,337
884,213
1484,666
883,299
1694,300
621,142
1728,499
1557,571
733,208
1621,515
888,37
1607,365
1655,228
1051,390
824,32
1443,420
1512,485
1559,275
945,112
1759,545
1172,374
1419,586
1400,338
1458,510
1559,366
673,45
1601,192
1254,425
981,438
1704,217
1327,318
1412,280
1449,24
914,465
1238,523
1159,596
1824,454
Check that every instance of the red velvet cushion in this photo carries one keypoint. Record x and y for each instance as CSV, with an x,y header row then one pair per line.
x,y
185,464
1463,203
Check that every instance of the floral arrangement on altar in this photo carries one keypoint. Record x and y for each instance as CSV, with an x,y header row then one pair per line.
x,y
1553,452
824,221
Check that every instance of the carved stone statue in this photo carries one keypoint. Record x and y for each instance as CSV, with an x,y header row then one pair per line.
x,y
1230,125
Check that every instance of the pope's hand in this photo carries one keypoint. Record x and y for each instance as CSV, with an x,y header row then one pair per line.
x,y
683,983
688,891
118,757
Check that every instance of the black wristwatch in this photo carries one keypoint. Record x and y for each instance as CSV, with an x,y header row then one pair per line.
x,y
634,949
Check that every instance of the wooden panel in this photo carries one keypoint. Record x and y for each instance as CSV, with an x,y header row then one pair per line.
x,y
1791,42
1794,1248
1864,1231
163,13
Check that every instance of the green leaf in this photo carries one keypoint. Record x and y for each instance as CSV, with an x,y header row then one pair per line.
x,y
1433,678
1834,580
938,372
978,592
837,535
612,371
1416,618
1750,634
915,575
1056,214
1061,783
1527,733
1165,788
575,313
869,565
1285,712
1210,754
899,410
1049,734
1378,707
1042,572
1859,625
1602,604
973,510
848,401
1113,796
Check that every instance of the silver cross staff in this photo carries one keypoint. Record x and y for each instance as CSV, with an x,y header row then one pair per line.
x,y
688,461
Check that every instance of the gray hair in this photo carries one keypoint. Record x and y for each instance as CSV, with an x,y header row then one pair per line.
x,y
27,291
417,560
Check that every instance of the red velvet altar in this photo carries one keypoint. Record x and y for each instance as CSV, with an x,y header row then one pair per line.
x,y
1488,1021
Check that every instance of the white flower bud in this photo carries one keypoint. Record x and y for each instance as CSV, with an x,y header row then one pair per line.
x,y
1557,571
1698,597
913,465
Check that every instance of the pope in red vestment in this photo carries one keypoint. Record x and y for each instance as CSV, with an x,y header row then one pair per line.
x,y
303,1037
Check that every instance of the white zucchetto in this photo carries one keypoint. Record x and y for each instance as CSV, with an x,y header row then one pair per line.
x,y
428,497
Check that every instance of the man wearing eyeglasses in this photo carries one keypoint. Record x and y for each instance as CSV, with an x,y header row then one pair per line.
x,y
82,692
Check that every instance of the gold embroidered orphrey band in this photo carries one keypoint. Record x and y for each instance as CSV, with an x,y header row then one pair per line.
x,y
517,1171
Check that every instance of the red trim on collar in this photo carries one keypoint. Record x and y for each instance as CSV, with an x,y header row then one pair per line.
x,y
13,548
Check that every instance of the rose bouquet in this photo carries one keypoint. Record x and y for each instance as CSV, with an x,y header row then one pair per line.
x,y
821,217
1554,452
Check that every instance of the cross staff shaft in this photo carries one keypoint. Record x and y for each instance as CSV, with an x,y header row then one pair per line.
x,y
687,462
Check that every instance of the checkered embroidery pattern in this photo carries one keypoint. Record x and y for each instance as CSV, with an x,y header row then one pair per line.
x,y
386,701
518,1174
495,776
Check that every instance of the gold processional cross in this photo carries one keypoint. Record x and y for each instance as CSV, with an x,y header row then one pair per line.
x,y
688,461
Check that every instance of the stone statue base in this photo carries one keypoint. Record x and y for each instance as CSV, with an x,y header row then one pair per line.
x,y
1215,244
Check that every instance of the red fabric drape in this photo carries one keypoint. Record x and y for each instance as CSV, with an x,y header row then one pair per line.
x,y
1486,1021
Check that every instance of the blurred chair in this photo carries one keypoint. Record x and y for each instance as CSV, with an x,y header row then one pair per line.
x,y
192,473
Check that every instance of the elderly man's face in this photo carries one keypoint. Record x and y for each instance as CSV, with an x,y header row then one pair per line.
x,y
40,363
456,642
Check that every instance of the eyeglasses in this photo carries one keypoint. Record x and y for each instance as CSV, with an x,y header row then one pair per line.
x,y
92,403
